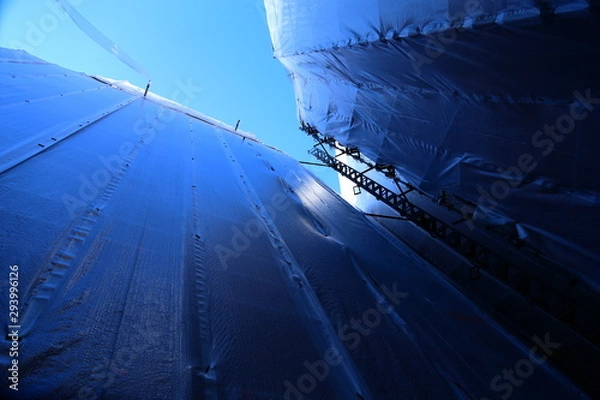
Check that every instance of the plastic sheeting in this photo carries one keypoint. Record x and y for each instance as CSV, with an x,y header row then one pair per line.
x,y
93,33
162,255
496,102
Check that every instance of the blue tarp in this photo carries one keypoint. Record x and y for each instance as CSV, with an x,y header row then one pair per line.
x,y
162,255
494,102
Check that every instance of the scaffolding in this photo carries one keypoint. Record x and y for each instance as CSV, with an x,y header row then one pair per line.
x,y
516,266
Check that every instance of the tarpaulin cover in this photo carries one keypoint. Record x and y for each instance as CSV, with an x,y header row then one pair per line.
x,y
496,102
163,255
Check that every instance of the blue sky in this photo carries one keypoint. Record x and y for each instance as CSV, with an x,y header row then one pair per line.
x,y
221,46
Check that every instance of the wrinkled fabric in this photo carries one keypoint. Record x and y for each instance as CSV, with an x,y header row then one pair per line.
x,y
494,102
164,255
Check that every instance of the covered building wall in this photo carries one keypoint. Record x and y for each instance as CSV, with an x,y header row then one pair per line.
x,y
161,255
494,102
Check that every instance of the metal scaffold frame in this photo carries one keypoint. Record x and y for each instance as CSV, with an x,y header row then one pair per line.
x,y
558,294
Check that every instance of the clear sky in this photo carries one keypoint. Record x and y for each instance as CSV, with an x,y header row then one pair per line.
x,y
222,46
